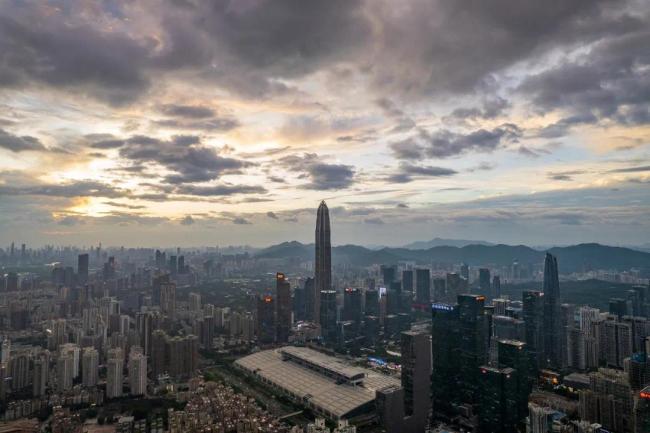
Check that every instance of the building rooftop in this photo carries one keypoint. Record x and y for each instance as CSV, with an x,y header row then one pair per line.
x,y
332,366
314,387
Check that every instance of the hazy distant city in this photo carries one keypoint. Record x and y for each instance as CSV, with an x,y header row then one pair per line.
x,y
310,216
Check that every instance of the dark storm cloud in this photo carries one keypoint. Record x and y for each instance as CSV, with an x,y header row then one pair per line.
x,y
185,155
108,144
448,46
560,177
286,38
445,143
631,169
564,175
483,166
424,48
241,221
322,176
187,111
492,107
196,117
108,65
330,176
407,172
272,215
225,124
71,189
610,82
17,143
219,190
407,149
403,121
532,152
563,126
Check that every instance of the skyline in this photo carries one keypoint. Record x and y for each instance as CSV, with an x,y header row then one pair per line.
x,y
194,124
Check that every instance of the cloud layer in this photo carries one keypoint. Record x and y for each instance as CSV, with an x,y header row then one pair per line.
x,y
197,113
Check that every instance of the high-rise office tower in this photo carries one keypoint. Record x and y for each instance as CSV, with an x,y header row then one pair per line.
x,y
405,409
168,299
114,373
552,313
474,340
352,305
266,326
82,268
137,371
416,374
496,400
181,264
394,298
533,315
173,265
618,307
157,284
640,300
484,281
440,290
372,302
407,280
310,301
456,285
328,317
422,286
283,307
642,411
464,271
496,286
323,261
388,274
513,354
89,366
299,304
445,338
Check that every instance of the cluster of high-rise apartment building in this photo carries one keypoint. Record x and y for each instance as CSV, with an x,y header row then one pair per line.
x,y
458,353
489,352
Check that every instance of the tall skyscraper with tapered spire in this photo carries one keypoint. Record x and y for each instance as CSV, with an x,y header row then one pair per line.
x,y
552,342
323,262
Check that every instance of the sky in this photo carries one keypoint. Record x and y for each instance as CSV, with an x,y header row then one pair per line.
x,y
195,123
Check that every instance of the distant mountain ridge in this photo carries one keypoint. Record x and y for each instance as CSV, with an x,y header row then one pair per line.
x,y
570,259
442,242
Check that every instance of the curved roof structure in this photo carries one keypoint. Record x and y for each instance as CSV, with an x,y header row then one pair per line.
x,y
324,383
